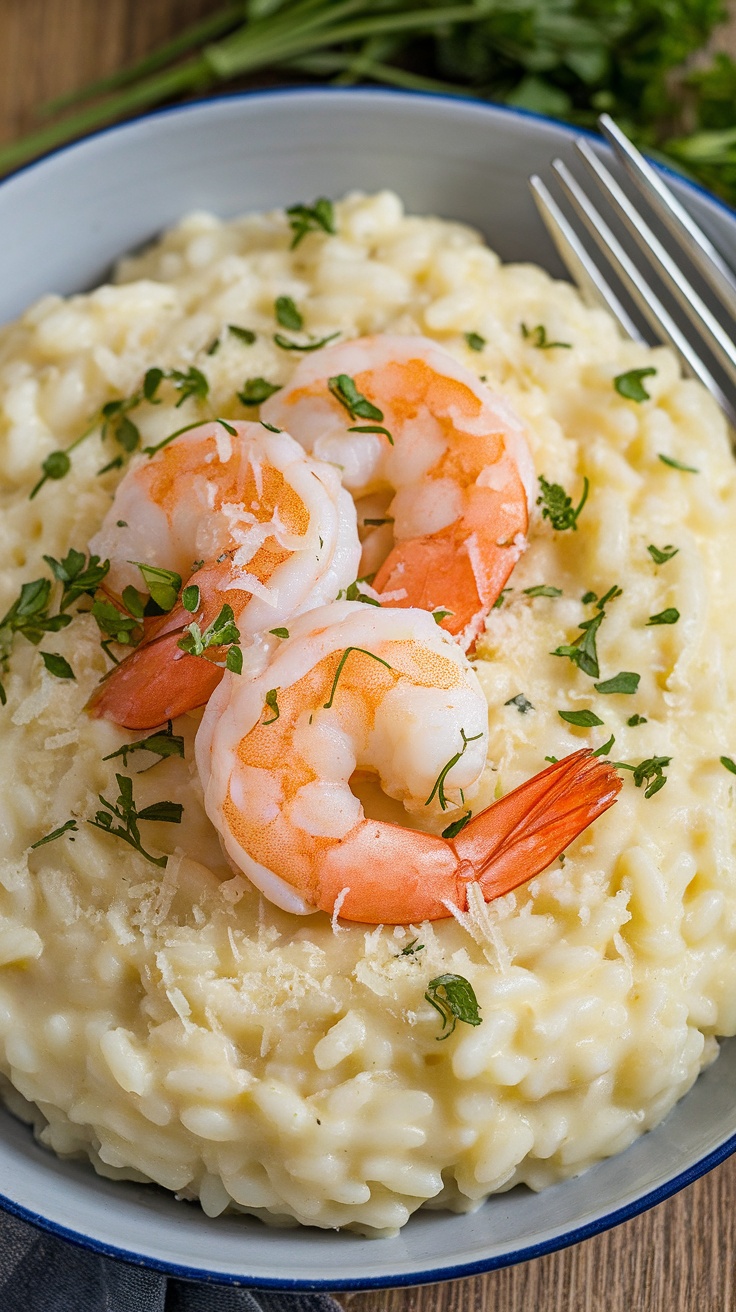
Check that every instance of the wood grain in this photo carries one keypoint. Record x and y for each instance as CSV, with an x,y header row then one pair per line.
x,y
679,1257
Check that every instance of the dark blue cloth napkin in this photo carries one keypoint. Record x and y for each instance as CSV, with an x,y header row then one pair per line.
x,y
39,1273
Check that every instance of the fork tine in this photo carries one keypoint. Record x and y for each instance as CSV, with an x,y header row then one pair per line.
x,y
697,311
687,233
643,295
582,269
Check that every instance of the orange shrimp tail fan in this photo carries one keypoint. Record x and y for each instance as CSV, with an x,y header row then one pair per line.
x,y
518,836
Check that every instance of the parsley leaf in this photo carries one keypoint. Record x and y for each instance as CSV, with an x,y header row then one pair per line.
x,y
341,666
729,763
358,406
542,590
630,386
627,681
675,464
190,384
244,335
457,826
78,576
272,705
222,632
520,702
57,665
372,428
71,826
412,948
634,720
257,390
163,743
279,633
454,998
668,616
475,341
313,344
583,651
125,629
190,598
123,809
581,719
439,783
557,505
538,338
319,217
163,584
660,555
287,314
649,772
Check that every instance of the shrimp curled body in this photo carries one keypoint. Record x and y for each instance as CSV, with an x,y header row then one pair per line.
x,y
444,482
249,518
358,689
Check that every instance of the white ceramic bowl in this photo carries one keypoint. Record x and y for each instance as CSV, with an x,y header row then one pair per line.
x,y
62,223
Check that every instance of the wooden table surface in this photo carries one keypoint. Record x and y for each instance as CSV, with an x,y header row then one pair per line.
x,y
679,1256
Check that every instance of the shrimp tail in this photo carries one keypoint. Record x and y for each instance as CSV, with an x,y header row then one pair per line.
x,y
518,836
156,682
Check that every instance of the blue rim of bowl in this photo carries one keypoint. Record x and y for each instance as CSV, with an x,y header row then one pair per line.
x,y
525,1254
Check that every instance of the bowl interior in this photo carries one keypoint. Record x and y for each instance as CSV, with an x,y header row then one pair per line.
x,y
63,221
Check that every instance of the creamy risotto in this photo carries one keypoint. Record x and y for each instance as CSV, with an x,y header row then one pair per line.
x,y
176,1027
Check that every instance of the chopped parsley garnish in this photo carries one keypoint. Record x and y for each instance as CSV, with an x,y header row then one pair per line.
x,y
341,666
125,811
439,615
457,826
287,314
649,772
29,615
353,593
542,590
117,627
729,763
271,428
668,616
454,998
475,341
538,338
660,555
222,632
583,651
79,576
162,584
244,335
627,681
213,347
314,344
279,633
272,705
163,743
376,523
319,217
557,506
605,748
190,598
257,390
498,603
630,386
439,783
634,720
358,406
71,826
191,384
412,948
581,719
520,702
372,428
57,665
675,464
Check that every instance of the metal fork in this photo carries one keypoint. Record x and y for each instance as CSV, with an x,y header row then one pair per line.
x,y
697,331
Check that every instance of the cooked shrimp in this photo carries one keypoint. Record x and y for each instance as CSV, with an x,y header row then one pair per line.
x,y
252,521
386,691
401,416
